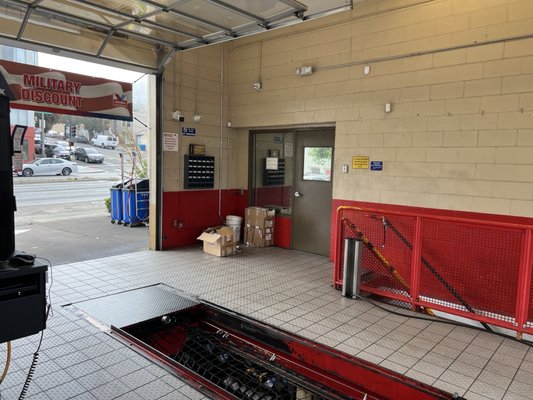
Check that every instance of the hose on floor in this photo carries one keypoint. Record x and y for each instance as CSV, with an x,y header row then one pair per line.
x,y
8,360
442,321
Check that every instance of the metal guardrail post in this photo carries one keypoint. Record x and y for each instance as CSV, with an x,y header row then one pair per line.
x,y
351,270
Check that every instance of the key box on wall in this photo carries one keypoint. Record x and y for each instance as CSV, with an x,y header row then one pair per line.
x,y
199,172
274,177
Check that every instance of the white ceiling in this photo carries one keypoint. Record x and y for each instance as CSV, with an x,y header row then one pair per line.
x,y
145,33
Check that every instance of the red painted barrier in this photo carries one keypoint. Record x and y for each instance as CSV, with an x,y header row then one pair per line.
x,y
467,266
283,231
197,210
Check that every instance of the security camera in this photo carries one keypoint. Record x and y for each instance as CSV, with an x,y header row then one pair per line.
x,y
178,116
257,85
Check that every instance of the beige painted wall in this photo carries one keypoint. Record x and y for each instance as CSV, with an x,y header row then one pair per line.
x,y
193,84
460,134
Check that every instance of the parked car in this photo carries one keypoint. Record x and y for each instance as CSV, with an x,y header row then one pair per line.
x,y
52,134
49,166
82,139
105,141
88,154
61,143
56,151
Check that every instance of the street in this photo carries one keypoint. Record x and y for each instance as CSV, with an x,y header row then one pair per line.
x,y
60,192
64,218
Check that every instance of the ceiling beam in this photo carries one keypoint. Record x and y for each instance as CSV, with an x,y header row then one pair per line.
x,y
104,43
261,21
165,60
202,21
76,20
132,18
295,4
76,54
29,10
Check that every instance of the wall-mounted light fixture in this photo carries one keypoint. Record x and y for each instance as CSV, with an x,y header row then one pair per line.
x,y
307,70
178,116
388,107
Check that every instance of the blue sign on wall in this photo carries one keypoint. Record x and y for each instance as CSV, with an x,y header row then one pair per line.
x,y
188,131
376,165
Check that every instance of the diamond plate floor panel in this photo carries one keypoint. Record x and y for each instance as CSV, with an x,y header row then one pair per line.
x,y
134,306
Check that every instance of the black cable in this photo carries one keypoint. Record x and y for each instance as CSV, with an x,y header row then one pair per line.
x,y
433,270
35,358
34,361
446,322
51,284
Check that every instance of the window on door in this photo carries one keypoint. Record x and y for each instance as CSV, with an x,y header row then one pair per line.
x,y
317,164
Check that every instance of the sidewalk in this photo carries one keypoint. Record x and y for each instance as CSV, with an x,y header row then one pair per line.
x,y
82,175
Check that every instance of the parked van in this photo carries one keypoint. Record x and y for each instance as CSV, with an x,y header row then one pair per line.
x,y
105,141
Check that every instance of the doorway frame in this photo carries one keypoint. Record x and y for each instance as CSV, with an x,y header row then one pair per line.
x,y
295,130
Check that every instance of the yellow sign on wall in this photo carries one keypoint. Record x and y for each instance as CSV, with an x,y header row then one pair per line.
x,y
360,162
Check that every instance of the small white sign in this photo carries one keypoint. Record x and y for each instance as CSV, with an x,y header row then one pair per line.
x,y
17,161
170,141
18,136
272,163
289,149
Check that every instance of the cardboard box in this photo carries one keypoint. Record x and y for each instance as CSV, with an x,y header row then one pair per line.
x,y
259,227
259,216
219,241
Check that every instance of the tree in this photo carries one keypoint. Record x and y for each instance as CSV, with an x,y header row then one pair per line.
x,y
320,155
134,153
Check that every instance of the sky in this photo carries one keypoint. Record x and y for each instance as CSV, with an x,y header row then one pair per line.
x,y
87,68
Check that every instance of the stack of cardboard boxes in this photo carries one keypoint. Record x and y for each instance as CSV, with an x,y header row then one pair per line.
x,y
259,227
220,241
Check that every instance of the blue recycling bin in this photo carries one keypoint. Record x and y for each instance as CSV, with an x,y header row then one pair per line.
x,y
116,204
135,206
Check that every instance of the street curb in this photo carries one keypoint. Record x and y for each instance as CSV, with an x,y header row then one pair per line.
x,y
19,180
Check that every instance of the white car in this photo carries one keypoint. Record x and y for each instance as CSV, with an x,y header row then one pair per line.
x,y
105,141
49,166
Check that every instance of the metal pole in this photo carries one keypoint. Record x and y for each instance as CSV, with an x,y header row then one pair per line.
x,y
121,169
7,199
352,270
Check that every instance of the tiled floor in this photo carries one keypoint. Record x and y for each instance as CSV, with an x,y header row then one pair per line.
x,y
284,288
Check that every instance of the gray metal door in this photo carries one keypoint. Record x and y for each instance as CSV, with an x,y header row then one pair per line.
x,y
313,190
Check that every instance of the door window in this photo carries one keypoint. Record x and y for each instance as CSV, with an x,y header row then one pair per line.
x,y
317,164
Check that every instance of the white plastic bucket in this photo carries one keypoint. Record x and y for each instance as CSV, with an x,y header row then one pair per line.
x,y
234,222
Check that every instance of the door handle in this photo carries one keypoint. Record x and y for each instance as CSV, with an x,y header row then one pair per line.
x,y
297,194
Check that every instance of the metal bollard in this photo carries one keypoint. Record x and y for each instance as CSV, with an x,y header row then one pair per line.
x,y
352,273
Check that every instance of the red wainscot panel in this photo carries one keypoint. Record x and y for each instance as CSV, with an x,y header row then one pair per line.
x,y
336,203
278,195
187,213
282,231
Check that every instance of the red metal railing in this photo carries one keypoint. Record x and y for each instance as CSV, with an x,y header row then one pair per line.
x,y
472,268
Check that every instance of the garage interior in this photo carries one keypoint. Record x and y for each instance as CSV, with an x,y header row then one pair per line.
x,y
436,94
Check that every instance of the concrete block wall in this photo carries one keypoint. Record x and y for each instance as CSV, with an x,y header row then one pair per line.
x,y
459,75
196,82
